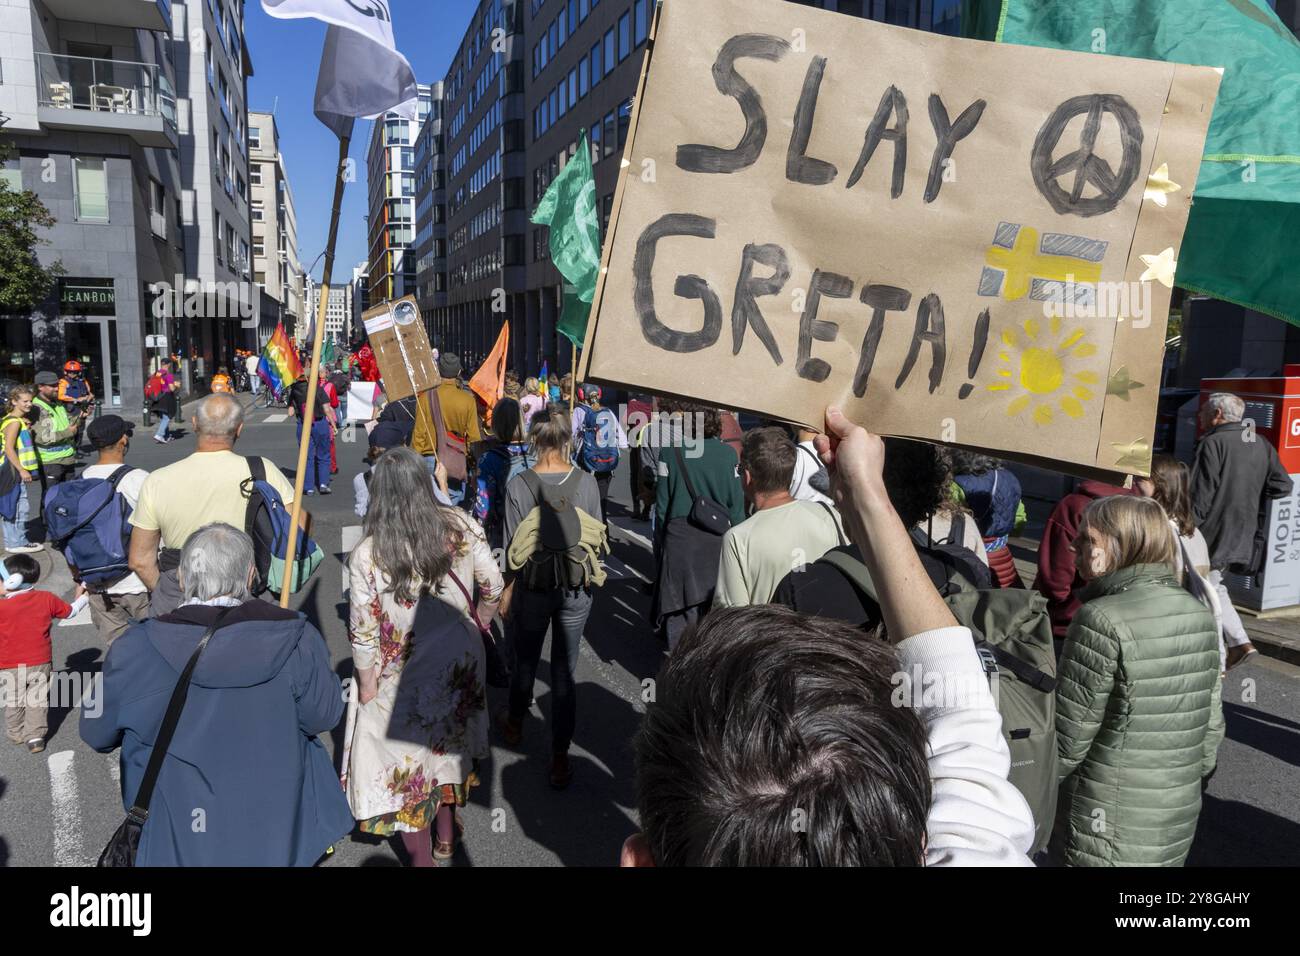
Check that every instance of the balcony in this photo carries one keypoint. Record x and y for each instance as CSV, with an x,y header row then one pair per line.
x,y
107,96
139,14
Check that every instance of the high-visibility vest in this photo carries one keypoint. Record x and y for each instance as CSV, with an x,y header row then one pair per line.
x,y
23,443
63,451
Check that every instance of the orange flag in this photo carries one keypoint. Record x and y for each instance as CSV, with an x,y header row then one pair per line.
x,y
489,382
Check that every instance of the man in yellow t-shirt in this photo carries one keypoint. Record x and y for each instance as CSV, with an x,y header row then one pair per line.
x,y
202,489
459,412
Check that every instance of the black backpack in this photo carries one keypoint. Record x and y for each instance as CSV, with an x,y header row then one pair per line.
x,y
559,561
963,567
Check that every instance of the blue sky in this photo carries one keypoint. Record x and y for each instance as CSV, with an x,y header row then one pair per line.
x,y
286,54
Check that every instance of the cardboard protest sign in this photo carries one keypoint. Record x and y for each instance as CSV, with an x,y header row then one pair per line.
x,y
959,241
401,346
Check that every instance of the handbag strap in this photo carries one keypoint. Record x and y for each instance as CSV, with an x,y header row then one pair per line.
x,y
140,809
686,472
469,601
831,514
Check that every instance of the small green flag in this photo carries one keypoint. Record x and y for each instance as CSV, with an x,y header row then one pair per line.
x,y
569,208
327,354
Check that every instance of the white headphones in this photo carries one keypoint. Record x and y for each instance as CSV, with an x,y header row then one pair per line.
x,y
14,582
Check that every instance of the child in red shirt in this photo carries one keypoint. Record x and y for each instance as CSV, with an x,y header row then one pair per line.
x,y
25,619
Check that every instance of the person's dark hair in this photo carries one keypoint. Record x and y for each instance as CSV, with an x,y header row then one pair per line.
x,y
25,565
768,454
1172,491
507,421
774,741
916,478
412,537
965,462
692,412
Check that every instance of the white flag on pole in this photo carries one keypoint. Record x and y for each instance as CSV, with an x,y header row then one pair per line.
x,y
361,71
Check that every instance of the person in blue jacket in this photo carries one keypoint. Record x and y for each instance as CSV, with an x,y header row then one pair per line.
x,y
246,782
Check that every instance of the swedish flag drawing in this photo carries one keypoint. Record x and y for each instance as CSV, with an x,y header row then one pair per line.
x,y
1056,267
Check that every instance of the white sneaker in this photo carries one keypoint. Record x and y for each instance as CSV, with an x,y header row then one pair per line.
x,y
161,441
26,549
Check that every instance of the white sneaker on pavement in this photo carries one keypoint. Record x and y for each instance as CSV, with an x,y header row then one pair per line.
x,y
26,549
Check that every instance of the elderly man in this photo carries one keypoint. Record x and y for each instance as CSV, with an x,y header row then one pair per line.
x,y
204,488
1235,475
262,690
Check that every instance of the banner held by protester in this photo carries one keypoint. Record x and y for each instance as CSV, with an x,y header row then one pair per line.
x,y
978,208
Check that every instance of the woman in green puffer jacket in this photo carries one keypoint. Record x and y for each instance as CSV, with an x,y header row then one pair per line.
x,y
1133,696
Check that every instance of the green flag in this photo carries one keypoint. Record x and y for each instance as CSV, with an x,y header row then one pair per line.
x,y
1246,213
327,353
569,208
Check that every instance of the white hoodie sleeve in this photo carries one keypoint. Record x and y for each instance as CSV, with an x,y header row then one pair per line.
x,y
977,818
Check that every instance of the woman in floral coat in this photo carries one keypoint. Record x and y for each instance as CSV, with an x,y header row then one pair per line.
x,y
418,724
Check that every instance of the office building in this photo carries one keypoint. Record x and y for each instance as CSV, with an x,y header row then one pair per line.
x,y
390,165
338,314
276,269
360,296
88,97
431,212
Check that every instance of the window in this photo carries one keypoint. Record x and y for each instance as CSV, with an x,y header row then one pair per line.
x,y
642,16
595,142
624,122
563,21
259,246
610,135
584,7
611,55
90,185
582,76
255,174
596,73
624,36
258,211
158,209
554,37
254,138
13,178
573,86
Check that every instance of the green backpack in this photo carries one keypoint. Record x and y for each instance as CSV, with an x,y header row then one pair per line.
x,y
1013,636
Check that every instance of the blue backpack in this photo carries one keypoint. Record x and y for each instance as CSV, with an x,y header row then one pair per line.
x,y
89,521
267,521
598,452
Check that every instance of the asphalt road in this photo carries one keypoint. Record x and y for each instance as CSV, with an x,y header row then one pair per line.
x,y
60,807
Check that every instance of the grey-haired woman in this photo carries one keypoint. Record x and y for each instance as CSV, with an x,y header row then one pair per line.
x,y
423,581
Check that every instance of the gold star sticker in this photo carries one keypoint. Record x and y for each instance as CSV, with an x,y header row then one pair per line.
x,y
1161,268
1159,186
1121,384
1134,456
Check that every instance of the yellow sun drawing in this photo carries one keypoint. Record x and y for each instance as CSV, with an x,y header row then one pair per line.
x,y
1036,361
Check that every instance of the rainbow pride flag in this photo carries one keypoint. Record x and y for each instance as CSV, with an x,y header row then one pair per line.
x,y
279,367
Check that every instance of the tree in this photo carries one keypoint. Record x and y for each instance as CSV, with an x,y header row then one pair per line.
x,y
24,282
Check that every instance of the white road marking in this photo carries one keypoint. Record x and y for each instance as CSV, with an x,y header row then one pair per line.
x,y
66,810
274,419
635,538
630,609
630,570
114,769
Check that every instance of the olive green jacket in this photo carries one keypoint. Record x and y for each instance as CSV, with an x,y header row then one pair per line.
x,y
1133,706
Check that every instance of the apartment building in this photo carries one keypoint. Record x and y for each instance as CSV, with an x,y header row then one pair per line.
x,y
88,96
360,296
213,67
390,166
277,271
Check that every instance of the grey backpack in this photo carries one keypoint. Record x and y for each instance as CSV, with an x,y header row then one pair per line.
x,y
1013,636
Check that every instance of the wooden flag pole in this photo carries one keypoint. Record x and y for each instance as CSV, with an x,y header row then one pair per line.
x,y
313,378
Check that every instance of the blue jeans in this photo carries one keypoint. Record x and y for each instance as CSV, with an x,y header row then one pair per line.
x,y
16,530
163,423
318,455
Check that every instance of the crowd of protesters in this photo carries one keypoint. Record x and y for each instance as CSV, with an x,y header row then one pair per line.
x,y
798,571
